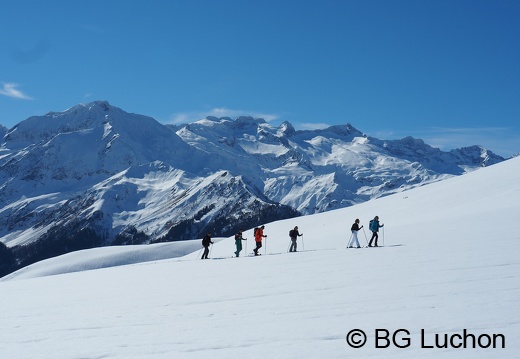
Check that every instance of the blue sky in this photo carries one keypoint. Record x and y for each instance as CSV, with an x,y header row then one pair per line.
x,y
446,71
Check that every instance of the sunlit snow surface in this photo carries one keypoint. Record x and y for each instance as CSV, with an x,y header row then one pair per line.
x,y
450,263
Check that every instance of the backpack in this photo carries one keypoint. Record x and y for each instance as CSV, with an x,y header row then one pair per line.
x,y
372,225
291,233
237,236
255,230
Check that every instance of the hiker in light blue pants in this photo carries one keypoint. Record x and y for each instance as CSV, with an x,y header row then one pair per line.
x,y
355,228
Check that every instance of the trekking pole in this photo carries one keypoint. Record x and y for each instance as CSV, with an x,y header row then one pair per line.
x,y
210,249
350,240
246,247
265,249
383,236
303,243
198,255
290,243
366,239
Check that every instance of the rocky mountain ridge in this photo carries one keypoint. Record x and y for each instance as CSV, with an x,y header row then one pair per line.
x,y
95,175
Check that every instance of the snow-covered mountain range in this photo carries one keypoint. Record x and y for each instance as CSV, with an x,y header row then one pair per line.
x,y
449,267
95,175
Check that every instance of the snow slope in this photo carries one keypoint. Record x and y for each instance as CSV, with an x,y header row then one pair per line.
x,y
449,264
104,257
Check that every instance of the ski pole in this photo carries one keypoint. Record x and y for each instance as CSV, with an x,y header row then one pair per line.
x,y
366,239
198,255
265,249
303,243
290,243
350,240
383,236
210,249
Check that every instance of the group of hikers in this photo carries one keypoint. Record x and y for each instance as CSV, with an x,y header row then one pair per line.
x,y
373,226
294,233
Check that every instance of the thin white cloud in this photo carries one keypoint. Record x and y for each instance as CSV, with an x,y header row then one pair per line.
x,y
10,89
385,134
446,135
312,125
186,117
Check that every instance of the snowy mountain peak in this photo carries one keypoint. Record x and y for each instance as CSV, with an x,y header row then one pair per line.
x,y
478,155
91,106
344,130
36,129
96,175
286,129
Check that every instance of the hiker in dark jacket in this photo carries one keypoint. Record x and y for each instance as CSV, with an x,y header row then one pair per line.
x,y
206,241
238,242
374,227
354,229
294,234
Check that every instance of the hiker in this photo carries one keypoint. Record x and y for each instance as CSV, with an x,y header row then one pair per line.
x,y
374,227
294,234
355,228
206,241
259,234
238,242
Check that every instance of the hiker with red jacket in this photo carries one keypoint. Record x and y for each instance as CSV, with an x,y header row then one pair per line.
x,y
259,234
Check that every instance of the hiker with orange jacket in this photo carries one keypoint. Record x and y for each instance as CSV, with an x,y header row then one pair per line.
x,y
259,234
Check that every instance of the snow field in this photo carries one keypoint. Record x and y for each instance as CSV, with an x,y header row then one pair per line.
x,y
449,263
